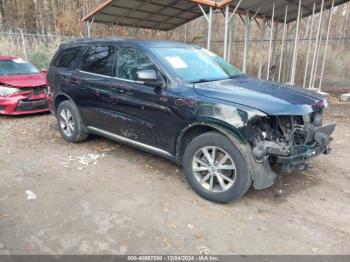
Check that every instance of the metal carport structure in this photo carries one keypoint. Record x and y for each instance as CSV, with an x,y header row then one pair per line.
x,y
166,15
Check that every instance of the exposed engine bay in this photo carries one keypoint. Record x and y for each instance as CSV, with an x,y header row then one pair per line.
x,y
290,141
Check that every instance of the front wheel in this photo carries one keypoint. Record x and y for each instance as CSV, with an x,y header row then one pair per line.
x,y
215,168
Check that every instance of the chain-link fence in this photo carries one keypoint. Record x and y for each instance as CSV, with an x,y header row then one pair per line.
x,y
35,48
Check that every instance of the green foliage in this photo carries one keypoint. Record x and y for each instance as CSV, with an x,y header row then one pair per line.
x,y
39,59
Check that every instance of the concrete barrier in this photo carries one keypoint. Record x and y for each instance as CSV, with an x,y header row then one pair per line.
x,y
345,97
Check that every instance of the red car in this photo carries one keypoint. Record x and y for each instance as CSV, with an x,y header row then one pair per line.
x,y
23,88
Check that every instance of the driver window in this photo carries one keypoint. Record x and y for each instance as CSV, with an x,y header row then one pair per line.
x,y
130,60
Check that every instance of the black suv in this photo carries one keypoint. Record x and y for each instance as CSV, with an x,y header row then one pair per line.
x,y
184,103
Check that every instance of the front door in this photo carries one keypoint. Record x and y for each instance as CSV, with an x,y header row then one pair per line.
x,y
141,110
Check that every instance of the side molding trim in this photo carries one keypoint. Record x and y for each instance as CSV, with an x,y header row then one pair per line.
x,y
131,142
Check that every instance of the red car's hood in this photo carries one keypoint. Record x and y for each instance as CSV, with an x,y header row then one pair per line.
x,y
19,81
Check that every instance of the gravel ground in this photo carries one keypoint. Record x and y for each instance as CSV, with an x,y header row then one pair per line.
x,y
100,197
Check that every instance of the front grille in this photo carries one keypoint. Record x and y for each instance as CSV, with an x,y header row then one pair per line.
x,y
26,89
26,105
39,90
34,91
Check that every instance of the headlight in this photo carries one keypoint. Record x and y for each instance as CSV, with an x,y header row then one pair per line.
x,y
7,91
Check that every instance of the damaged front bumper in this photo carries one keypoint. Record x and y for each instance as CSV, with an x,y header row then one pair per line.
x,y
271,154
321,137
22,105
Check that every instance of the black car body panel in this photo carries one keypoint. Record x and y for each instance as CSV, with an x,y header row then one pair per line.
x,y
259,116
266,96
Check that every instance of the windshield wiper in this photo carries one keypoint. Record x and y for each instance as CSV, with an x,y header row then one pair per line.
x,y
236,76
204,81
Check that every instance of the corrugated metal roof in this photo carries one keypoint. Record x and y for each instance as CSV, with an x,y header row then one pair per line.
x,y
166,15
264,8
155,14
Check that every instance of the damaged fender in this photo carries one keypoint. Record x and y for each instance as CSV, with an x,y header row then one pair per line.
x,y
233,123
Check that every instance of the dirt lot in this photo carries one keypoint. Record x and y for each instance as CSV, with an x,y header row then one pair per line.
x,y
102,197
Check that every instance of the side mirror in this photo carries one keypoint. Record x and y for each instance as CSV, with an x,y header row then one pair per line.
x,y
44,70
149,77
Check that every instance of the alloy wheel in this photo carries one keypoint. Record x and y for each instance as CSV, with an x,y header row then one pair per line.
x,y
214,169
66,122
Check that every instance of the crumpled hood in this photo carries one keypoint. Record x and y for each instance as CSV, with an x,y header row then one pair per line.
x,y
266,96
19,81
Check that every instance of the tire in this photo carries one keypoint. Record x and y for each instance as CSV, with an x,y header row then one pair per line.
x,y
69,110
220,193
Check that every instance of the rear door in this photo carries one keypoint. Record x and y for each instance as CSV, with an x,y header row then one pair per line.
x,y
89,86
62,67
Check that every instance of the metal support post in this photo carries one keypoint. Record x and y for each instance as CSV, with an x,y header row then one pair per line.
x,y
247,26
228,18
296,47
210,27
283,42
210,23
271,36
309,45
261,51
314,64
230,41
232,46
326,47
289,55
89,27
226,31
287,44
273,55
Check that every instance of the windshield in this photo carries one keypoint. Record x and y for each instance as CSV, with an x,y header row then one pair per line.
x,y
195,65
16,67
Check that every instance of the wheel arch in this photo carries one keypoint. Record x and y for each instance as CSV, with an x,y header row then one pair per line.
x,y
196,129
58,99
261,173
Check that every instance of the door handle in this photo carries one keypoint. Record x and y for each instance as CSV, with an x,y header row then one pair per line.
x,y
73,81
119,89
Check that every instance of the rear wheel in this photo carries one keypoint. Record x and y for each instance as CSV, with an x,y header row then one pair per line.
x,y
215,168
69,123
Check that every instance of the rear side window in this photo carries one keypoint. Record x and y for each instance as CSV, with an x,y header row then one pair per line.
x,y
68,57
99,60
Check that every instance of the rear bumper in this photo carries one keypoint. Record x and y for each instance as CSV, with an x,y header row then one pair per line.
x,y
21,105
